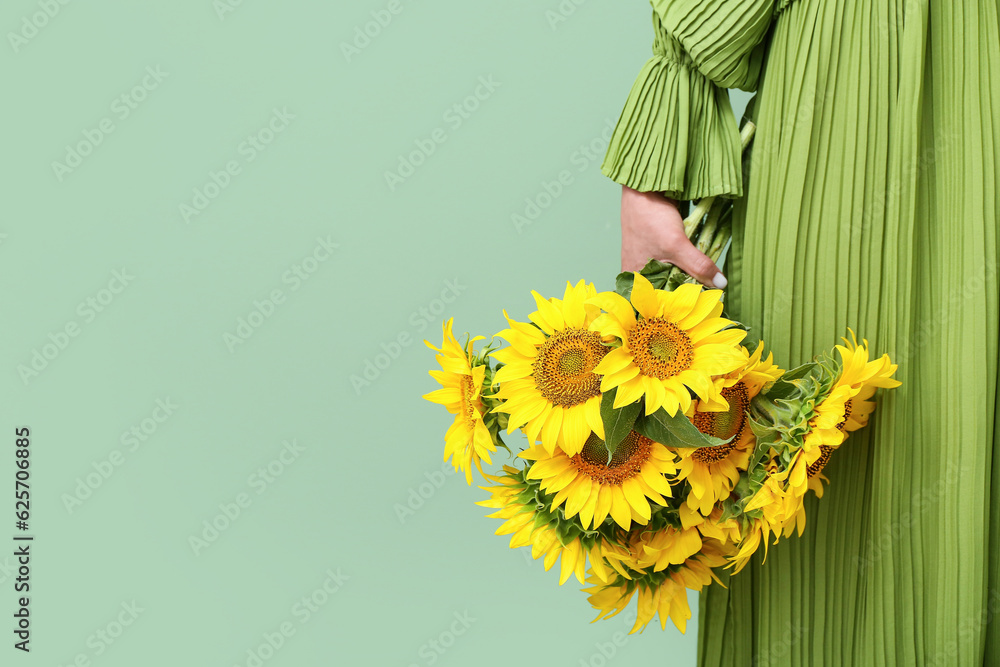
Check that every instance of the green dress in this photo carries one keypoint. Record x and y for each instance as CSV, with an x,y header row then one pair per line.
x,y
872,201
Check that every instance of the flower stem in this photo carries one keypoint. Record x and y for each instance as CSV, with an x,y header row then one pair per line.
x,y
719,242
711,224
711,237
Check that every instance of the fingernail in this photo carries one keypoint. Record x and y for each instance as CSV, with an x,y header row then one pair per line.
x,y
719,280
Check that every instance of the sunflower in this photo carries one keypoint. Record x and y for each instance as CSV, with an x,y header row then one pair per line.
x,y
758,532
468,439
712,526
712,472
651,548
877,374
755,374
858,409
677,343
775,507
548,384
668,546
594,487
847,407
663,592
805,473
517,500
805,470
825,427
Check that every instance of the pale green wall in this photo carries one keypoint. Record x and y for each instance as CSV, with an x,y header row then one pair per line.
x,y
168,328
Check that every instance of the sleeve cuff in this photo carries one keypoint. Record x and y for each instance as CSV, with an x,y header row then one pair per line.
x,y
677,135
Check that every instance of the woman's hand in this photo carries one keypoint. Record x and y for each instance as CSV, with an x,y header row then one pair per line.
x,y
652,228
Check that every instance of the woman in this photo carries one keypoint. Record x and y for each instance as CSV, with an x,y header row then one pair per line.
x,y
871,202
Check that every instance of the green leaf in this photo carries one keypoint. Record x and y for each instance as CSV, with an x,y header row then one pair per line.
x,y
623,284
742,489
786,386
729,509
617,422
761,446
676,431
655,271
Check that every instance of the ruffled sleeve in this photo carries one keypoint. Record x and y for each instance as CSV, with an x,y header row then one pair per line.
x,y
677,133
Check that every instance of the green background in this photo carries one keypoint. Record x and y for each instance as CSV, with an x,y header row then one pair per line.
x,y
559,73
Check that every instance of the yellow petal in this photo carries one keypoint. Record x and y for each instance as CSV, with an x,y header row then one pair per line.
x,y
636,498
629,393
578,496
609,382
702,309
615,305
550,315
681,302
644,297
568,563
587,511
614,361
603,507
550,432
620,511
593,408
575,429
655,393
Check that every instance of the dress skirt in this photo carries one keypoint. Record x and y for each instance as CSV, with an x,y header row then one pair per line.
x,y
870,202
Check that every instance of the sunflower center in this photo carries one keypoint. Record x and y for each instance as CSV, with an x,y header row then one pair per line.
x,y
563,369
660,348
470,407
825,451
572,362
625,463
847,414
729,424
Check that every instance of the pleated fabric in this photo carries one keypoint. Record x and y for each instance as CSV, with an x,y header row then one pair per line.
x,y
871,202
677,133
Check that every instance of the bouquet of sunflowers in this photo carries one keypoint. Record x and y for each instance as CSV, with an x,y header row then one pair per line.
x,y
660,447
